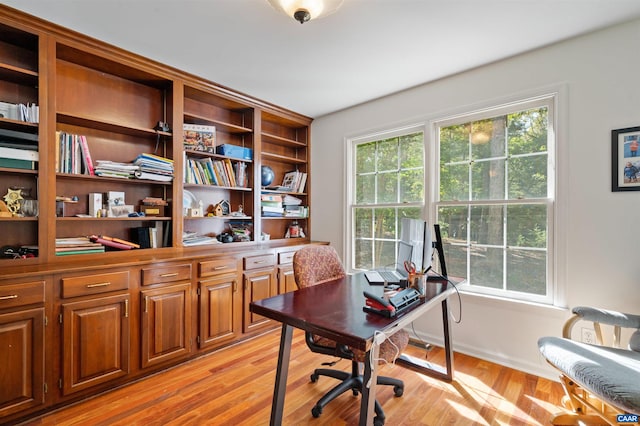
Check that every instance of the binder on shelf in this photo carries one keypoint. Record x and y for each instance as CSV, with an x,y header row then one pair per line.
x,y
12,163
18,154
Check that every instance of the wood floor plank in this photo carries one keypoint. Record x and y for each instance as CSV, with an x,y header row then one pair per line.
x,y
234,386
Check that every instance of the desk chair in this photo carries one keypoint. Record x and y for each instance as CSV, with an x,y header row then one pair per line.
x,y
600,381
318,264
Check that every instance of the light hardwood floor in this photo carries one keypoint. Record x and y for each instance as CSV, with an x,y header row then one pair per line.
x,y
234,386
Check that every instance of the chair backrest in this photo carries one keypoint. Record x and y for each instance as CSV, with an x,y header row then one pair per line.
x,y
315,264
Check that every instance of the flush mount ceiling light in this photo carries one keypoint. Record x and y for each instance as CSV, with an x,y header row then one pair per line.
x,y
305,10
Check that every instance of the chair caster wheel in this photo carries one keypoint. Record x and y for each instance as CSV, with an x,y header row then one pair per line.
x,y
314,378
316,411
377,421
398,391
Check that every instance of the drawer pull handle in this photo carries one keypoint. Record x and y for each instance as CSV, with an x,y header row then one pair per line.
x,y
217,268
11,296
257,262
105,284
174,274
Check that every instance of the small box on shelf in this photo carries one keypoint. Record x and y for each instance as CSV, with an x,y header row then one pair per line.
x,y
235,151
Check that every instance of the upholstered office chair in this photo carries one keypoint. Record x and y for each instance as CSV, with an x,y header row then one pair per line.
x,y
600,381
318,264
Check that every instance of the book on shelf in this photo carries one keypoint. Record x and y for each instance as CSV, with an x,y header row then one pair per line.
x,y
294,181
199,137
154,167
81,251
112,243
72,154
12,163
29,112
18,154
16,135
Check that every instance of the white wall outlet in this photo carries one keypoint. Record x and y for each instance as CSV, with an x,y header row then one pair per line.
x,y
588,336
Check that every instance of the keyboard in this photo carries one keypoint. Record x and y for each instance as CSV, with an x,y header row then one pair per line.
x,y
380,277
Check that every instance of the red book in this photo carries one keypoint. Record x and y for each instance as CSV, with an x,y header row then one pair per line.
x,y
86,155
109,243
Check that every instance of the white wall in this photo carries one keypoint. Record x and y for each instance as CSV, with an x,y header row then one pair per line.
x,y
599,243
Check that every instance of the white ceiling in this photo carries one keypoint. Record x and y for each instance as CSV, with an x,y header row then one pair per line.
x,y
368,49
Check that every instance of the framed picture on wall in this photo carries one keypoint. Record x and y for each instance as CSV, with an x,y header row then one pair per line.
x,y
625,159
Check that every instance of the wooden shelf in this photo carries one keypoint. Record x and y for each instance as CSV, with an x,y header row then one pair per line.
x,y
279,140
207,187
283,158
220,125
219,218
96,123
116,219
18,219
111,179
202,154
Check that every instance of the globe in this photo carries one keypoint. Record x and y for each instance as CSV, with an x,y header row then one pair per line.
x,y
267,175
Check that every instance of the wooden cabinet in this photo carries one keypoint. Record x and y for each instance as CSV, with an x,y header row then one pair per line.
x,y
114,105
22,347
286,280
95,341
95,329
165,313
219,302
259,283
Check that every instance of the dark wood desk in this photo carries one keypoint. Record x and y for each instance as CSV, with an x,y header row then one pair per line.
x,y
334,310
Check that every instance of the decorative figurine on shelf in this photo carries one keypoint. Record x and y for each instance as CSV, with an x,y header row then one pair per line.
x,y
4,210
239,213
217,210
12,198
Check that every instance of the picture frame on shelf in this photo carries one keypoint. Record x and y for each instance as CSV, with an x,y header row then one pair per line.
x,y
225,207
625,159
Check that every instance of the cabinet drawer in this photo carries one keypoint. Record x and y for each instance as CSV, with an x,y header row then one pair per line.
x,y
217,267
166,274
13,295
261,261
285,257
95,283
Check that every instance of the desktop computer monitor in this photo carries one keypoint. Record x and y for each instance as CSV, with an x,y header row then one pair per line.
x,y
417,233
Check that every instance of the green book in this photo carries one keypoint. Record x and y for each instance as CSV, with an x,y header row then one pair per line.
x,y
65,253
13,163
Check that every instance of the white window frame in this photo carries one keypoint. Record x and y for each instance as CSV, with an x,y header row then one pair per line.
x,y
350,148
551,101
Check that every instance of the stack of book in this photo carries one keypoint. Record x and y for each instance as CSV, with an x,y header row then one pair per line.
x,y
193,239
294,181
113,243
29,112
18,150
77,245
205,171
293,208
271,205
154,167
113,169
72,154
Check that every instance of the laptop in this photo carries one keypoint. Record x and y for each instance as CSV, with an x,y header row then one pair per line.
x,y
382,276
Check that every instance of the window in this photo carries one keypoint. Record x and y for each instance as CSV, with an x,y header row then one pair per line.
x,y
496,198
386,184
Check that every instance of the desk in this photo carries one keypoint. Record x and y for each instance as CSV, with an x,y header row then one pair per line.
x,y
334,310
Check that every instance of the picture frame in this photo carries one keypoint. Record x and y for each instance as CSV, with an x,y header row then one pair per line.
x,y
625,159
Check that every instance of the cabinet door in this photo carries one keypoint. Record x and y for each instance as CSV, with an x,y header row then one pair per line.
x,y
258,284
95,336
220,310
22,355
286,280
166,323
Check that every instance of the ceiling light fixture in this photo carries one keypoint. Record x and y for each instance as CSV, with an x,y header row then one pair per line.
x,y
305,10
